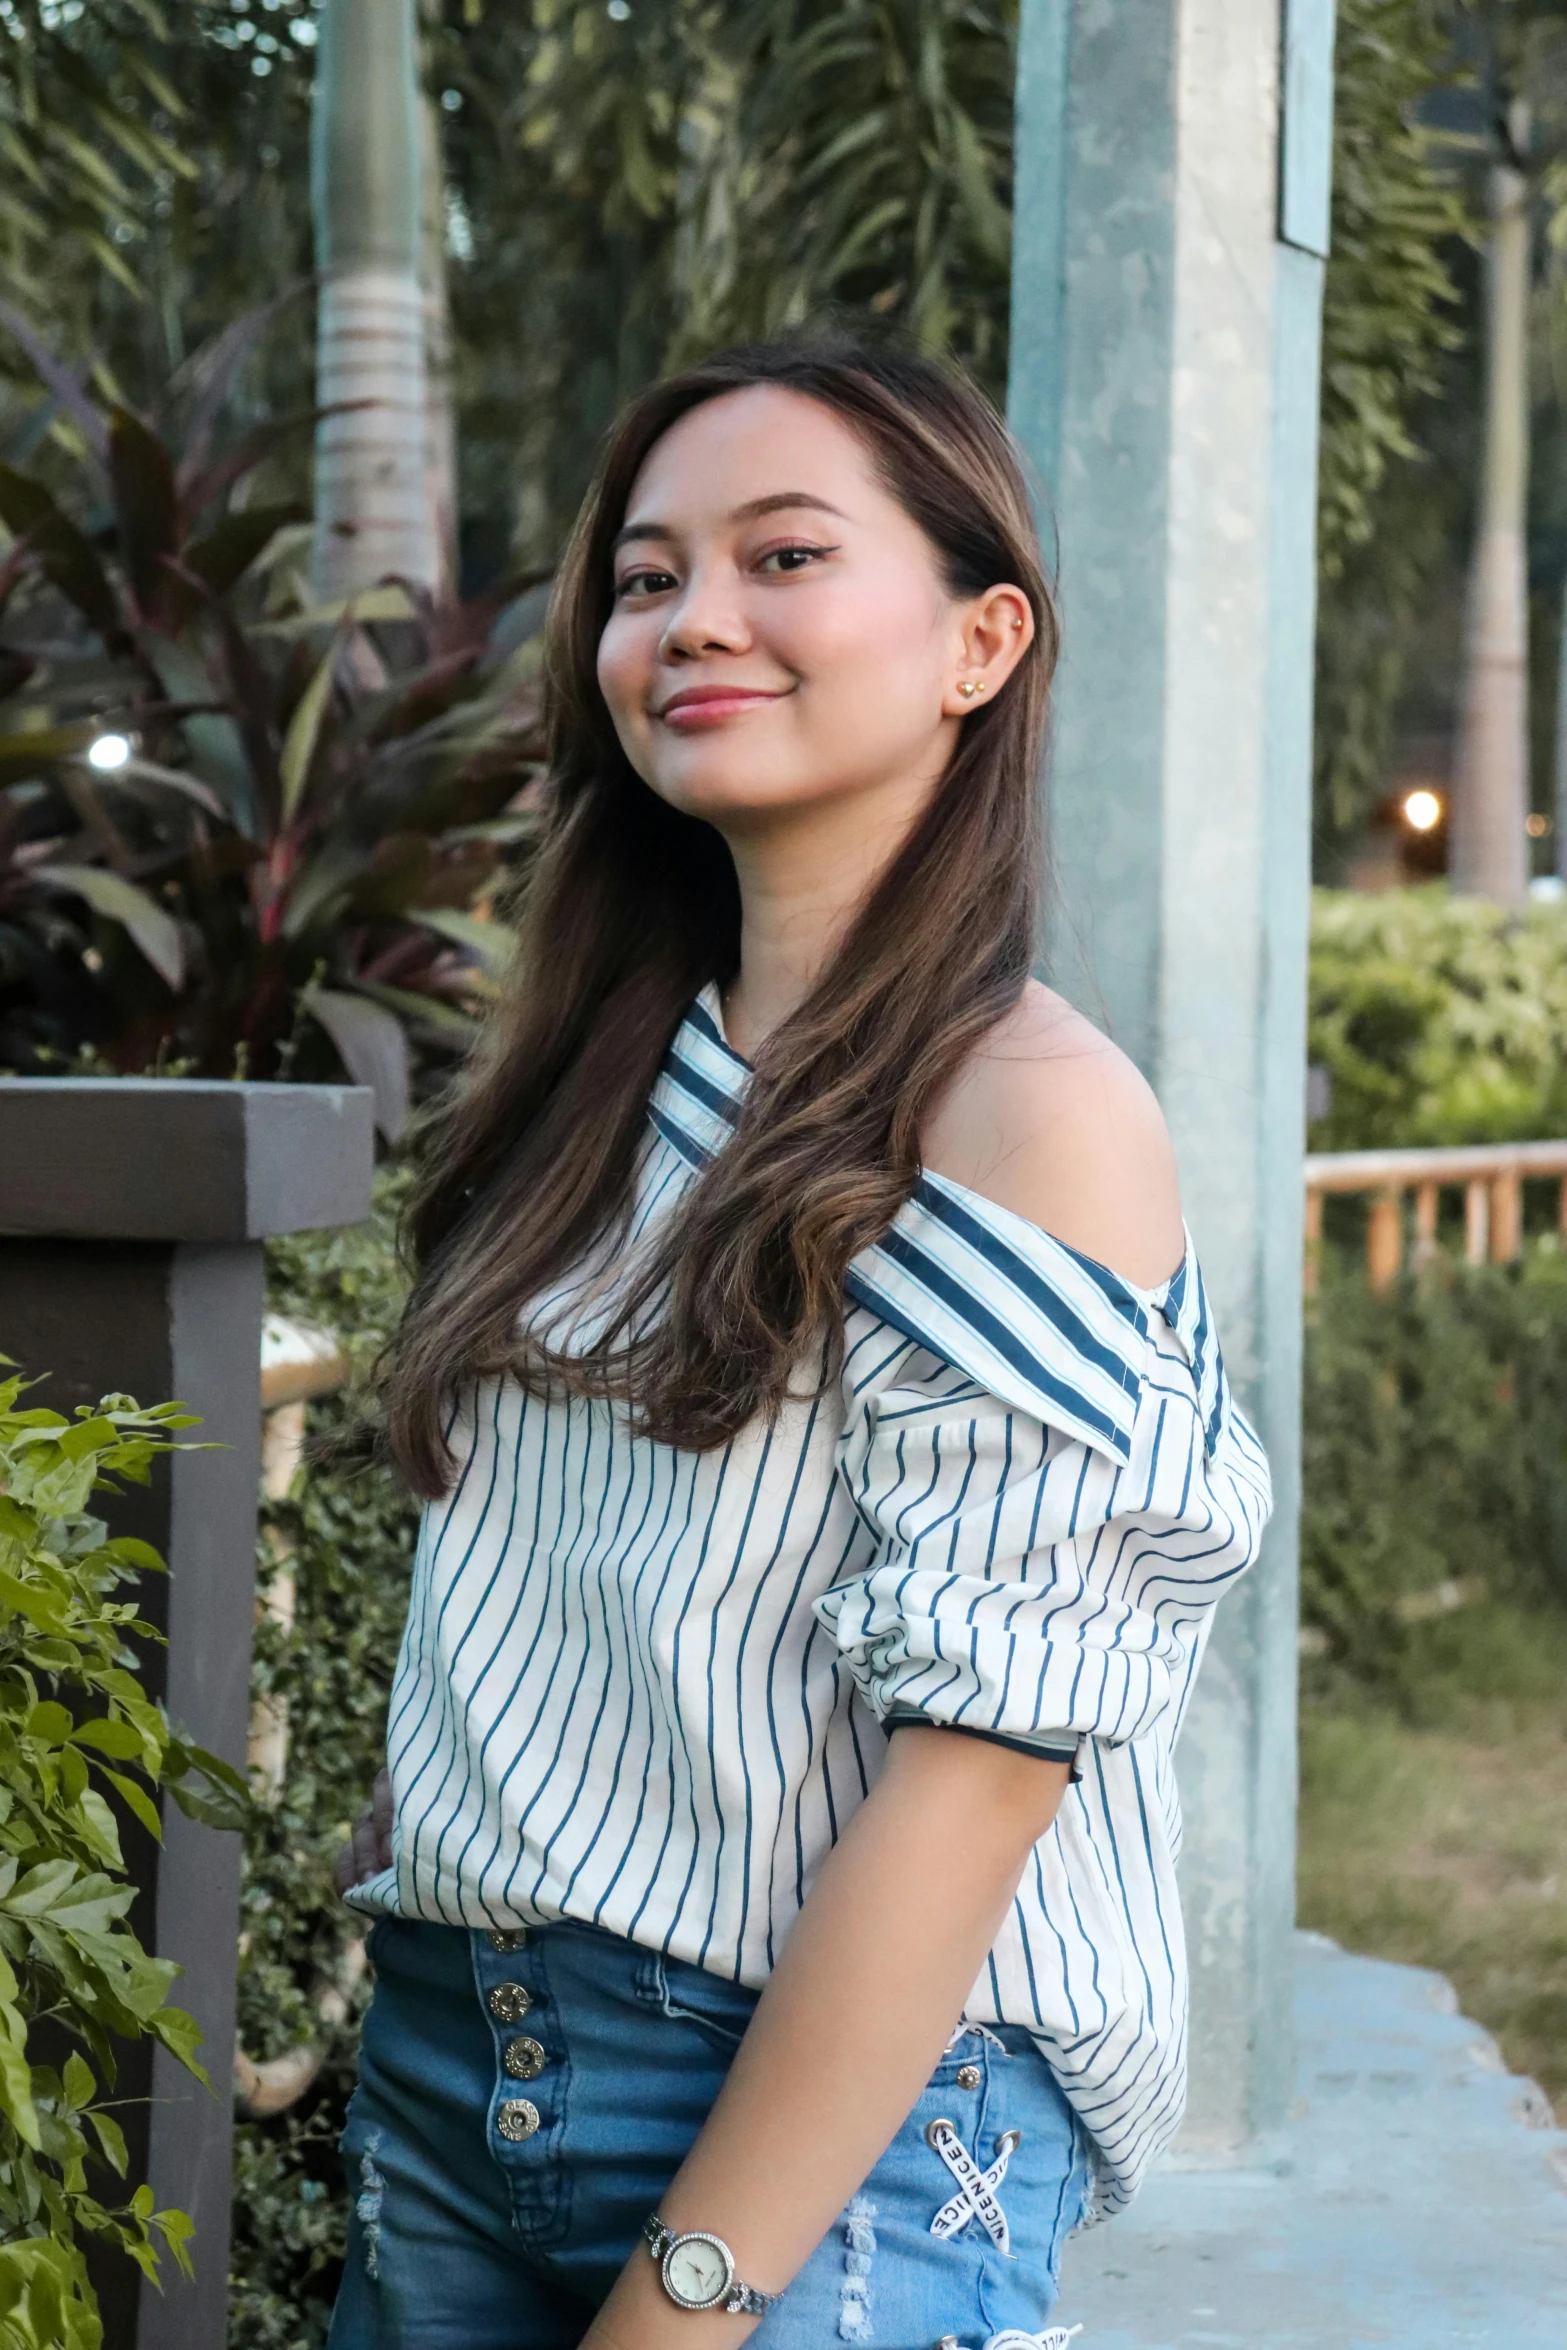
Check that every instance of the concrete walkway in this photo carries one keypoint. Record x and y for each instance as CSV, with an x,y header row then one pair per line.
x,y
1416,2201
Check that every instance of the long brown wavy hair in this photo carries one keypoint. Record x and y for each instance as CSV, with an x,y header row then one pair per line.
x,y
630,908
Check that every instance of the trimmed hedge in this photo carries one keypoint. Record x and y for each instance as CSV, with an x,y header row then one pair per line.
x,y
1438,1019
1435,1472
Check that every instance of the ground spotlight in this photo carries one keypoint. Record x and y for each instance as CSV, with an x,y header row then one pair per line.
x,y
108,752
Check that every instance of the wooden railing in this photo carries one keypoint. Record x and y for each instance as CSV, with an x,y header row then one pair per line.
x,y
1490,1175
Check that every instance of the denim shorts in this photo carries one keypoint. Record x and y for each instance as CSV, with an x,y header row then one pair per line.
x,y
524,2101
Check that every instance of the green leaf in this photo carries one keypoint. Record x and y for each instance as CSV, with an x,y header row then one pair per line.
x,y
229,549
176,2230
48,1720
491,944
64,555
16,2093
370,604
46,2302
131,1551
137,1801
108,1736
212,1808
112,2139
86,1436
141,473
102,1829
37,1890
31,1600
67,1899
119,900
77,2080
181,2035
304,731
215,739
373,1049
35,750
144,2256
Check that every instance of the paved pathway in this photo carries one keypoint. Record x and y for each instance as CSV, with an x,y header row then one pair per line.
x,y
1417,2199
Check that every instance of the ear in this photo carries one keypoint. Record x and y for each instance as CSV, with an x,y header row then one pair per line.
x,y
995,631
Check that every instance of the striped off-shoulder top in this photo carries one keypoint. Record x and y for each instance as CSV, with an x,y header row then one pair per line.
x,y
647,1688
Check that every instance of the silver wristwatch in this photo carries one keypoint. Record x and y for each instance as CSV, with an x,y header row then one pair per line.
x,y
698,2270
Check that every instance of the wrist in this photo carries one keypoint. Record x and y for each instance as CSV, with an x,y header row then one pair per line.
x,y
639,2315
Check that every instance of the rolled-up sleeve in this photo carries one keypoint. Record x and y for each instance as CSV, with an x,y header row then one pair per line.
x,y
1026,1582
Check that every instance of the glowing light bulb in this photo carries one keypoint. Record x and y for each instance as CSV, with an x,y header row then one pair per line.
x,y
1422,810
108,752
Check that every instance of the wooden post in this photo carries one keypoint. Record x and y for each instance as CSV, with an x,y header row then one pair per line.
x,y
1313,1240
1385,1239
1426,1206
1477,1220
132,1213
1506,1216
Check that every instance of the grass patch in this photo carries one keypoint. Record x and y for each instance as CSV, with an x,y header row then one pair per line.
x,y
1436,1834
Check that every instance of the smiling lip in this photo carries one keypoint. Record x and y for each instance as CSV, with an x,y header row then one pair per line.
x,y
706,705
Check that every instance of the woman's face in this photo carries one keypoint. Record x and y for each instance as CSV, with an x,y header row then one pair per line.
x,y
781,634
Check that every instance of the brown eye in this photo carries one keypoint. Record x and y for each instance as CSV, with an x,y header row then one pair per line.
x,y
646,582
791,559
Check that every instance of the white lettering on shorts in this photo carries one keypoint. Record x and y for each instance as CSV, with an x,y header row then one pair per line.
x,y
976,2195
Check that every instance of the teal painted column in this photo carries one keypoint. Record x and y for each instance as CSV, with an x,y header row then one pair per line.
x,y
1171,224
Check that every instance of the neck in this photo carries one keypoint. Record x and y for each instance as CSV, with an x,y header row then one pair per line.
x,y
804,874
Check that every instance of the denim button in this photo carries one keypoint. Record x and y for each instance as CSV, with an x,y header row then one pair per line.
x,y
509,2003
508,1938
523,2059
969,2076
517,2119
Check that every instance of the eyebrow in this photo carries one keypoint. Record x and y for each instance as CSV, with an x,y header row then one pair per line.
x,y
752,511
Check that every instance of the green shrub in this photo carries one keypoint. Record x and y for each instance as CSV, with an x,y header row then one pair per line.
x,y
350,1528
75,1726
1438,1019
1435,1476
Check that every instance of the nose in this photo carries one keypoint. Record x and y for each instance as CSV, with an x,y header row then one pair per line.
x,y
707,616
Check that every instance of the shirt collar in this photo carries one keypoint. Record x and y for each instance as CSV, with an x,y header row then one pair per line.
x,y
1034,1321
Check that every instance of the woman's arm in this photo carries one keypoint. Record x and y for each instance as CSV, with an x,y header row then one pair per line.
x,y
864,1998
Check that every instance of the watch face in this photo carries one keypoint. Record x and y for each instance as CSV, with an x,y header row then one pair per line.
x,y
698,2271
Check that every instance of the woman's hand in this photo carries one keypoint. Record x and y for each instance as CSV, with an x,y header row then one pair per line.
x,y
369,1847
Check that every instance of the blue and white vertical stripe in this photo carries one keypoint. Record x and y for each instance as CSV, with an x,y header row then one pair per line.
x,y
645,1687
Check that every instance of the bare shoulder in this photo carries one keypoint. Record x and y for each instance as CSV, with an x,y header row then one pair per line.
x,y
1050,1119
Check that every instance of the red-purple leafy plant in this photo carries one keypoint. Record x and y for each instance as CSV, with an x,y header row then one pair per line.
x,y
239,835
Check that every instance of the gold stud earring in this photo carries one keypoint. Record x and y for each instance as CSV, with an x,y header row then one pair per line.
x,y
967,688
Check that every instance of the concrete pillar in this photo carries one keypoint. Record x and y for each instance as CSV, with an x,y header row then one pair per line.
x,y
132,1213
1171,224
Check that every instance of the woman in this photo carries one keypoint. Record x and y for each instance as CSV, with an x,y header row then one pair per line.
x,y
806,1355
